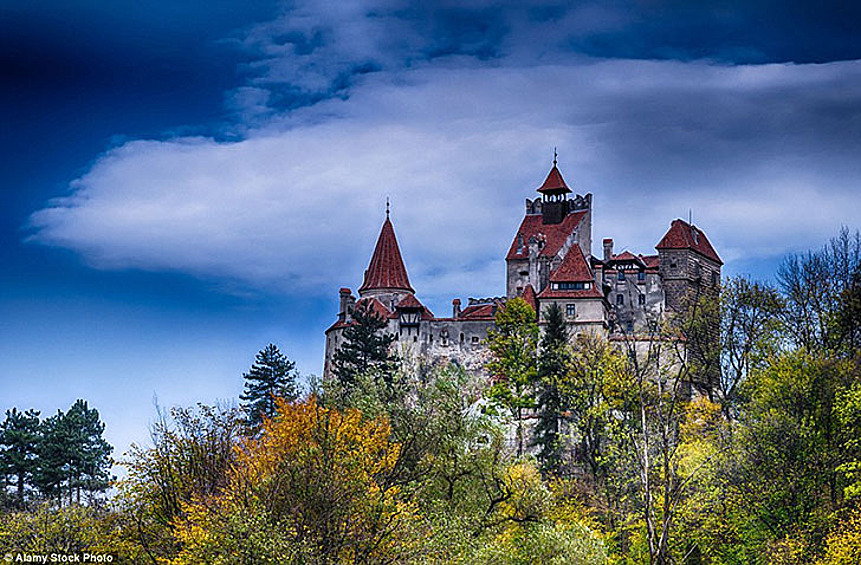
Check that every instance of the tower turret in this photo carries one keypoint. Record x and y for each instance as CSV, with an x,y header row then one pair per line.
x,y
386,276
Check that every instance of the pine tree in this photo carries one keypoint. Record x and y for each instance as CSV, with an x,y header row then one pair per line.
x,y
365,348
72,454
271,376
553,364
19,439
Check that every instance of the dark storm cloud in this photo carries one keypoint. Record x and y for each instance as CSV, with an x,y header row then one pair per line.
x,y
315,50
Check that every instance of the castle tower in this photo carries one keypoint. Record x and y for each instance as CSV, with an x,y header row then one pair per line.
x,y
554,194
386,276
689,266
552,225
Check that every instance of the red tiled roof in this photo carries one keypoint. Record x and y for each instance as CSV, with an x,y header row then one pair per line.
x,y
528,295
387,269
554,234
573,267
554,183
478,312
651,261
625,256
410,301
685,236
376,306
587,293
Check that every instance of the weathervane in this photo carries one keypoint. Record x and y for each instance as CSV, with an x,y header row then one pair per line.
x,y
387,207
554,156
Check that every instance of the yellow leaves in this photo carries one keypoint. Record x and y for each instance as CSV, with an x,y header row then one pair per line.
x,y
844,543
317,481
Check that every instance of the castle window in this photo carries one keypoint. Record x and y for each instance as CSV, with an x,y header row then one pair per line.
x,y
621,275
570,310
620,299
673,265
641,276
572,286
641,300
475,340
461,337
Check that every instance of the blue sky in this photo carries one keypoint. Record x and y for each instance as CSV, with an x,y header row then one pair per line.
x,y
184,183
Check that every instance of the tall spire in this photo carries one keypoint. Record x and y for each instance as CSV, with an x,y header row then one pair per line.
x,y
386,270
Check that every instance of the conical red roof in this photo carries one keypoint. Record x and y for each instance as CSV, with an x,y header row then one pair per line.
x,y
387,270
554,183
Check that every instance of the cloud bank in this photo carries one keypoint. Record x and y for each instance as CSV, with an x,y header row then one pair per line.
x,y
455,120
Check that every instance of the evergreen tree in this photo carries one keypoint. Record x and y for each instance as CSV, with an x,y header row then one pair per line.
x,y
19,439
271,376
553,364
72,454
365,348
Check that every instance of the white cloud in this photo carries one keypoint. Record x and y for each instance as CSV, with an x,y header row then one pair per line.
x,y
762,154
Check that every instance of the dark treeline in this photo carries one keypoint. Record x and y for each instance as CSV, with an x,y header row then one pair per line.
x,y
726,435
58,459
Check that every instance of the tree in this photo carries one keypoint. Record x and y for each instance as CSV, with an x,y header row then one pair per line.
x,y
19,440
513,344
749,332
365,349
812,285
554,362
318,486
193,450
73,455
271,376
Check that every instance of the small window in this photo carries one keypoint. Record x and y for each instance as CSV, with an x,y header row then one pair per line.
x,y
641,299
714,278
621,276
475,340
461,337
673,265
629,327
620,299
641,276
570,311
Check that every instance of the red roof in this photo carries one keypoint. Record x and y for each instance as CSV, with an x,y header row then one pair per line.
x,y
625,256
554,183
586,293
651,261
376,306
387,270
529,296
554,235
682,235
573,267
410,301
478,312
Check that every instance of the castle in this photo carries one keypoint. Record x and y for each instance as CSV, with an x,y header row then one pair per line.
x,y
549,261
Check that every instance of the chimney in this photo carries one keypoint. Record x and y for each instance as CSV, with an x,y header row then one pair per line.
x,y
608,249
346,302
455,308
